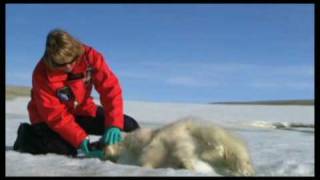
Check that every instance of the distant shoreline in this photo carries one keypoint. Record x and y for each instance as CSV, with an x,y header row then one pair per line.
x,y
13,91
300,102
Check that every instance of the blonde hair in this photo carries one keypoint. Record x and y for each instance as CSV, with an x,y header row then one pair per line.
x,y
61,48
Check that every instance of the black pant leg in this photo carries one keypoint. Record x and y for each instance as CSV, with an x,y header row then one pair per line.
x,y
54,142
130,124
28,140
95,125
40,139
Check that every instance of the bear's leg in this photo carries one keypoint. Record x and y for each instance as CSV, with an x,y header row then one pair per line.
x,y
153,155
184,152
212,155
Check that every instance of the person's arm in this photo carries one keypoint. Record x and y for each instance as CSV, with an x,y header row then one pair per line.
x,y
108,86
109,89
55,113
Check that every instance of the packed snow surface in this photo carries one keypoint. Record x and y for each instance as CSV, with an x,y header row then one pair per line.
x,y
280,139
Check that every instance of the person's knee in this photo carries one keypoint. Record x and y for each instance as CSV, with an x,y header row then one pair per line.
x,y
130,124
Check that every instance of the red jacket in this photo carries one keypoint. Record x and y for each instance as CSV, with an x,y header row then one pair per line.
x,y
47,106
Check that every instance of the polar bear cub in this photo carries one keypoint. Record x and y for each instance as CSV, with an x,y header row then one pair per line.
x,y
189,143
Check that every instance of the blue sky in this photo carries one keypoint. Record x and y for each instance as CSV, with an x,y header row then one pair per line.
x,y
195,53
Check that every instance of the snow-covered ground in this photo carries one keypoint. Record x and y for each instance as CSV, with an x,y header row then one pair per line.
x,y
280,139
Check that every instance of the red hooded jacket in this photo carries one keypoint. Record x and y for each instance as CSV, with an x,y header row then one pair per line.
x,y
48,106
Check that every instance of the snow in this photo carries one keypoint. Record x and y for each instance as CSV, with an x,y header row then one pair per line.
x,y
276,147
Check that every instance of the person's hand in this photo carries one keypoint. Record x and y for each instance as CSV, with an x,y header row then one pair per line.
x,y
85,148
111,136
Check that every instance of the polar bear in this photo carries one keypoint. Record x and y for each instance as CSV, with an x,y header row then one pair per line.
x,y
188,143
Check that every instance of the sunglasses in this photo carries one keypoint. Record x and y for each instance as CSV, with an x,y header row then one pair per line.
x,y
64,64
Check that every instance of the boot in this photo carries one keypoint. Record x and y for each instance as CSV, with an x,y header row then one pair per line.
x,y
23,142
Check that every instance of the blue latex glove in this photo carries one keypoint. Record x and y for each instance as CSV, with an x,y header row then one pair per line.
x,y
85,148
111,136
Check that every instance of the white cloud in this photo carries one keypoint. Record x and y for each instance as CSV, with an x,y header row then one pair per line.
x,y
283,85
133,75
210,74
22,77
190,82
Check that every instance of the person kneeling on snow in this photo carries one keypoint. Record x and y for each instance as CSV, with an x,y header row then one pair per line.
x,y
61,110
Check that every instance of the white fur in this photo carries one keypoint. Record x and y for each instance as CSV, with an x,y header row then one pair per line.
x,y
187,143
201,166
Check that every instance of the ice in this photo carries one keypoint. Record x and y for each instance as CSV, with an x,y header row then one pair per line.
x,y
284,151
